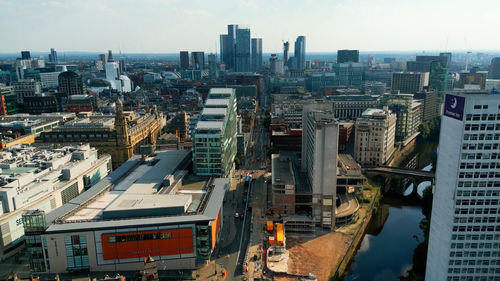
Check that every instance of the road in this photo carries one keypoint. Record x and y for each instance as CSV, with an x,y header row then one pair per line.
x,y
236,232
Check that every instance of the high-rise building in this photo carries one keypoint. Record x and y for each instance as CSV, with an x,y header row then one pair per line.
x,y
276,65
198,60
71,83
212,66
235,48
227,46
347,56
214,141
184,57
320,133
256,54
409,82
243,52
447,54
53,55
374,137
300,52
114,77
25,55
286,49
494,71
465,225
102,58
437,66
349,73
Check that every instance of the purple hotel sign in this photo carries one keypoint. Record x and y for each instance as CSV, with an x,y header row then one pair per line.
x,y
454,107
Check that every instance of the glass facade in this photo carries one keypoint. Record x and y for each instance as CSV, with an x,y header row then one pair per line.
x,y
76,252
214,142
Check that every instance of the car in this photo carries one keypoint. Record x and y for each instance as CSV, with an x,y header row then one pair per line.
x,y
241,216
236,215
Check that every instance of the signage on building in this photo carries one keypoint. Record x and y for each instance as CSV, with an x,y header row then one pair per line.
x,y
454,107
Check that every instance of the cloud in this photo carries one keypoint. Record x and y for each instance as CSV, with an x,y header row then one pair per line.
x,y
249,5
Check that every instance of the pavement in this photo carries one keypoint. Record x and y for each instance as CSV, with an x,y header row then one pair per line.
x,y
241,239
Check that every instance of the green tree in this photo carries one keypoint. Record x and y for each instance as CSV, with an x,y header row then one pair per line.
x,y
237,161
272,150
266,121
424,130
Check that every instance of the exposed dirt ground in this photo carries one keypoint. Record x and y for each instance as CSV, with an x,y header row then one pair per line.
x,y
316,255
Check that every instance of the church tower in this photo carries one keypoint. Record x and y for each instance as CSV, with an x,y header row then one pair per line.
x,y
121,125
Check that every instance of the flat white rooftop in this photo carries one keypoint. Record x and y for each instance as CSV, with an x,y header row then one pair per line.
x,y
214,111
217,102
210,125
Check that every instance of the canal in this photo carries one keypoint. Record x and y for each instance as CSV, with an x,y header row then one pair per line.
x,y
386,251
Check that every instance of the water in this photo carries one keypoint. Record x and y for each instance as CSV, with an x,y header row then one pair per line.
x,y
386,252
421,186
387,249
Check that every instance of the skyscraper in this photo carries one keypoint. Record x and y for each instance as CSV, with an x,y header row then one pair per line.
x,y
227,46
53,55
242,47
235,48
25,55
320,133
347,56
256,54
184,57
465,225
300,52
198,60
286,49
212,66
437,66
494,71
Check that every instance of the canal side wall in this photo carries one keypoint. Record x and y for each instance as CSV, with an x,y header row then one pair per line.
x,y
340,269
401,153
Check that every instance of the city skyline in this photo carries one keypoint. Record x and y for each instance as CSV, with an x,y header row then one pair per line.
x,y
133,26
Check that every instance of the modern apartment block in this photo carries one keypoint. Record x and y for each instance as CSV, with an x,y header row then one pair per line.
x,y
374,137
320,133
465,224
214,141
32,178
409,82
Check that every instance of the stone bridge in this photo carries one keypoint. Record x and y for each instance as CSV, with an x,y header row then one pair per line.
x,y
416,176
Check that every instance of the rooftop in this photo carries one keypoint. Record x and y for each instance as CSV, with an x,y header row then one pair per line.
x,y
282,170
143,192
210,125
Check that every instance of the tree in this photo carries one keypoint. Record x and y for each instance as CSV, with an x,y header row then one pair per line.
x,y
237,161
272,150
266,121
424,130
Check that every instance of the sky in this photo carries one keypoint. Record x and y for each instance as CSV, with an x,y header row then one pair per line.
x,y
168,26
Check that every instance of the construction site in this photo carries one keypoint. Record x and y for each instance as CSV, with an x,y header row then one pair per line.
x,y
286,243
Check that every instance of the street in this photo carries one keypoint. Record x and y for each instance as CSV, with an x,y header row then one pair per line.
x,y
235,235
